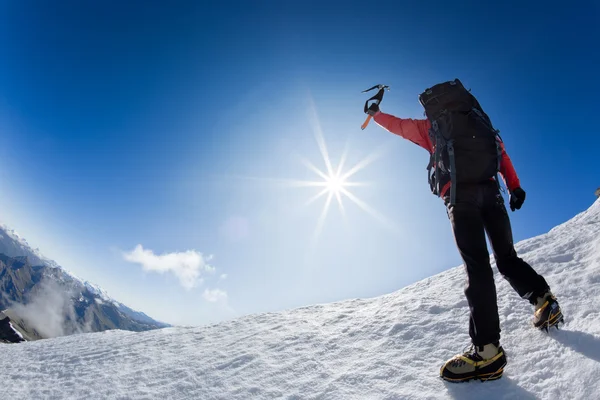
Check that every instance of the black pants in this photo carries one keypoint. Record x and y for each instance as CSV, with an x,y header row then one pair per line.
x,y
479,209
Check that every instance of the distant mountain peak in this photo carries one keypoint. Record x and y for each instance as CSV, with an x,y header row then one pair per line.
x,y
30,283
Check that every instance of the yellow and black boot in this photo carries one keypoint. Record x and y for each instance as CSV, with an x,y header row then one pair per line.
x,y
547,312
485,363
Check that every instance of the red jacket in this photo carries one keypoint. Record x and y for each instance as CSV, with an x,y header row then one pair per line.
x,y
417,131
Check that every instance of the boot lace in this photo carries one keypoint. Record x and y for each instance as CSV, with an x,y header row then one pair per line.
x,y
469,351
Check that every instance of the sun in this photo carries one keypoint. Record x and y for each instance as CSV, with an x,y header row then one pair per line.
x,y
336,183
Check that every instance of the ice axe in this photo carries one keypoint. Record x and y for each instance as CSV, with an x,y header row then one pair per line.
x,y
375,100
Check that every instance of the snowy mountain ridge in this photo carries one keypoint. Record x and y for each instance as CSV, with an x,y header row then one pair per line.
x,y
34,285
389,347
26,248
36,257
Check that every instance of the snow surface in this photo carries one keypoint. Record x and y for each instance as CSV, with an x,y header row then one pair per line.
x,y
390,347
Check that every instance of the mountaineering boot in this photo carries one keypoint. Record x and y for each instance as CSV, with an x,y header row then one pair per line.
x,y
547,312
485,363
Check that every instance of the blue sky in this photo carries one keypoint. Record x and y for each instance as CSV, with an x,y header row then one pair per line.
x,y
175,128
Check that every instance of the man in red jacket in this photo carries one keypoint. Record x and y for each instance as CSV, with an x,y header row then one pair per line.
x,y
475,209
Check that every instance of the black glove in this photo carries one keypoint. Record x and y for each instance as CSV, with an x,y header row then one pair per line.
x,y
517,198
373,109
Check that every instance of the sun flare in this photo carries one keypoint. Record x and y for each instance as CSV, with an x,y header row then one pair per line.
x,y
335,183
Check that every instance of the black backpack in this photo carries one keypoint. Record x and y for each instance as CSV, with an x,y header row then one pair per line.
x,y
466,146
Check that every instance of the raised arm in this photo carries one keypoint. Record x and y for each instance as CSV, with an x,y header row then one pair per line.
x,y
415,130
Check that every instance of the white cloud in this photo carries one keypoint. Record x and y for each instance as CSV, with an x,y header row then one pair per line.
x,y
215,295
187,266
223,277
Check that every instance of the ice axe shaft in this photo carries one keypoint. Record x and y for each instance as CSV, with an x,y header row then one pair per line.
x,y
364,125
376,100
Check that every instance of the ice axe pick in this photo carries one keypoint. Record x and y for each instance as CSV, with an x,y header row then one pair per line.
x,y
374,100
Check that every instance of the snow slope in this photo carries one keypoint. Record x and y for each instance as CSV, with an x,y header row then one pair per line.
x,y
390,347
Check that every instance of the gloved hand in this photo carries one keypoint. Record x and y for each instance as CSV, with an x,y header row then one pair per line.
x,y
373,109
517,198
